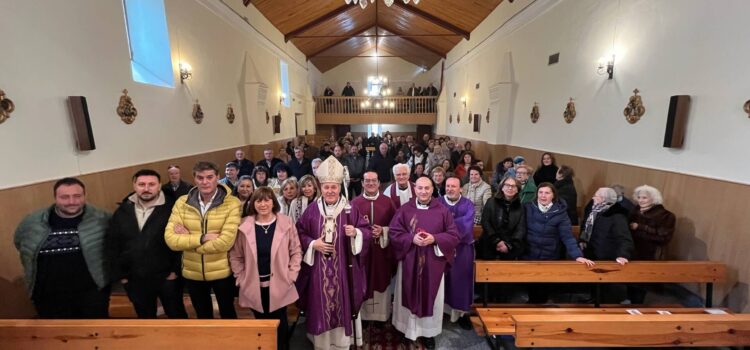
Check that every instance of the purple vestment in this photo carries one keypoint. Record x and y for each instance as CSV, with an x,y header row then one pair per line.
x,y
422,269
380,264
394,194
459,279
324,287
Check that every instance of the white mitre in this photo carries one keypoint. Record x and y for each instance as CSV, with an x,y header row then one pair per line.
x,y
330,170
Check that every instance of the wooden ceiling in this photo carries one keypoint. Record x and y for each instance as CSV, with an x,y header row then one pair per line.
x,y
329,32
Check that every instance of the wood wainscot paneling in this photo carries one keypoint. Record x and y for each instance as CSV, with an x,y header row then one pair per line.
x,y
104,189
712,220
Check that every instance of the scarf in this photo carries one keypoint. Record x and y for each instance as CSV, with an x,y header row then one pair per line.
x,y
595,211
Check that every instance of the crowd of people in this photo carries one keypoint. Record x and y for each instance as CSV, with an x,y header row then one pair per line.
x,y
350,236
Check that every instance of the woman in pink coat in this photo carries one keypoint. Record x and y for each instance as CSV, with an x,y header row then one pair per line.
x,y
266,260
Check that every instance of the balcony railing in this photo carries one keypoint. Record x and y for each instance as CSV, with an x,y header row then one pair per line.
x,y
377,106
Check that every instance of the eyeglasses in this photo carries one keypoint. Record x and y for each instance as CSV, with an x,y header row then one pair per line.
x,y
509,186
521,173
370,181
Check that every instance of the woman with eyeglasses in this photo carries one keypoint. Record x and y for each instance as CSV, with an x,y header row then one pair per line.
x,y
503,224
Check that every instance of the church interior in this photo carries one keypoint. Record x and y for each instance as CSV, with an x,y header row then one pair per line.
x,y
625,92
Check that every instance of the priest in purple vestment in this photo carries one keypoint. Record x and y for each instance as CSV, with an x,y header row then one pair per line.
x,y
424,239
400,191
459,279
332,234
380,265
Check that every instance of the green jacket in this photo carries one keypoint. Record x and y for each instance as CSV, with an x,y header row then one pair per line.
x,y
528,192
32,232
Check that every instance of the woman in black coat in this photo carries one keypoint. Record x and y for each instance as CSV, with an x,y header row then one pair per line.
x,y
605,234
547,171
566,190
503,223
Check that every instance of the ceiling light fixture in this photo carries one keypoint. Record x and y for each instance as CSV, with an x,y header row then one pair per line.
x,y
363,3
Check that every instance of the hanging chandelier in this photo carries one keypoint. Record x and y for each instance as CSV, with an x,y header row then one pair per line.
x,y
363,3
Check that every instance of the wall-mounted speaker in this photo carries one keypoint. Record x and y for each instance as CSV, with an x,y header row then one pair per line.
x,y
79,113
679,106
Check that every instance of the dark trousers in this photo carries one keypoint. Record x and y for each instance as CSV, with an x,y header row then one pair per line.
x,y
143,295
280,314
200,296
355,189
88,304
539,292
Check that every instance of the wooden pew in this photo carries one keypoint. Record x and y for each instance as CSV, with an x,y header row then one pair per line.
x,y
708,272
499,321
632,330
138,334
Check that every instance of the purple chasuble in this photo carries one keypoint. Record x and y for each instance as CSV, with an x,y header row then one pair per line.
x,y
393,193
324,287
422,270
380,264
459,279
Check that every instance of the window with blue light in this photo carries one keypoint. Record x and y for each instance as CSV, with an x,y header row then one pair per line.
x,y
374,129
285,84
148,37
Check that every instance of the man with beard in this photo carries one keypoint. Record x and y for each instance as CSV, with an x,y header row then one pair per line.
x,y
459,280
378,210
424,240
140,258
62,253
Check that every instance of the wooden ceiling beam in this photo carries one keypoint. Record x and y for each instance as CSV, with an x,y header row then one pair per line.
x,y
437,21
324,48
293,34
415,42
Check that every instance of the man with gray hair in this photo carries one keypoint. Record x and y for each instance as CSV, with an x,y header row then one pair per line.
x,y
315,164
401,191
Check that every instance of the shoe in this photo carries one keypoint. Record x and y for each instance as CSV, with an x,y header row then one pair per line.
x,y
429,343
465,323
626,302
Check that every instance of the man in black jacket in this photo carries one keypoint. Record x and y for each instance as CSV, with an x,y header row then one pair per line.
x,y
382,163
269,161
299,164
356,165
140,258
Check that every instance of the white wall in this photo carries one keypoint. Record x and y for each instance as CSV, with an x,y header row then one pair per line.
x,y
79,47
399,72
664,48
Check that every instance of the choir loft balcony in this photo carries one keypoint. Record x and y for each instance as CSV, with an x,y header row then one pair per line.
x,y
420,110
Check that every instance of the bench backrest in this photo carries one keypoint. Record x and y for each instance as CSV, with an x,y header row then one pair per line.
x,y
631,330
138,334
602,272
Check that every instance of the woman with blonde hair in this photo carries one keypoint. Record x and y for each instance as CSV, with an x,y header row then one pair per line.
x,y
309,192
289,190
266,278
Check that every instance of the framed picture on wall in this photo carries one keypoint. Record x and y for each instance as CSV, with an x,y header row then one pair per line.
x,y
477,119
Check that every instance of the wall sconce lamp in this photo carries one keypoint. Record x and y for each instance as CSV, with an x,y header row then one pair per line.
x,y
463,101
186,72
606,67
282,98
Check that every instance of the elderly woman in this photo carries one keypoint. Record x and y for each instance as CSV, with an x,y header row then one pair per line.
x,y
265,278
438,181
547,171
503,223
260,176
310,190
566,189
548,231
477,191
243,191
652,227
289,190
605,234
